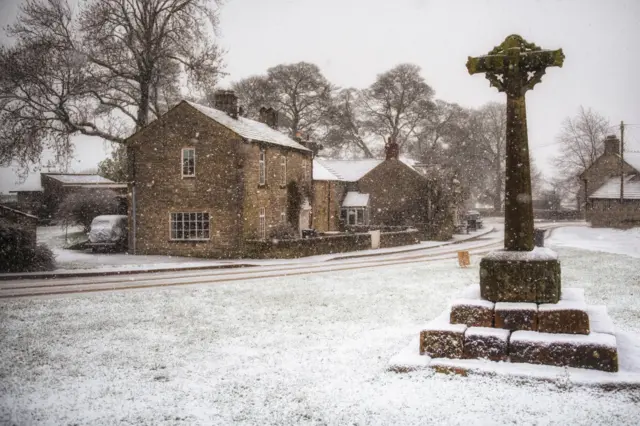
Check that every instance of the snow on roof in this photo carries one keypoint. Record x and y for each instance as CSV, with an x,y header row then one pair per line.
x,y
78,178
611,188
343,170
355,199
349,170
249,129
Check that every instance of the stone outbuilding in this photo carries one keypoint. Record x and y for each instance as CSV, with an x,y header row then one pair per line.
x,y
208,179
601,186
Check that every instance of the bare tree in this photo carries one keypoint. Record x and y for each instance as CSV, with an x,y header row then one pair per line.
x,y
581,142
345,126
298,91
101,72
397,103
489,133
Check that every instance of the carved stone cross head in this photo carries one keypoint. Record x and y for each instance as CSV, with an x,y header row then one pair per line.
x,y
516,65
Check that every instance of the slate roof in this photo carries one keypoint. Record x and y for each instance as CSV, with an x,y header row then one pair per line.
x,y
611,188
247,128
355,199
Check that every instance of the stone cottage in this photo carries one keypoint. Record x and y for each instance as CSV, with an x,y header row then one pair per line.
x,y
369,192
601,187
207,179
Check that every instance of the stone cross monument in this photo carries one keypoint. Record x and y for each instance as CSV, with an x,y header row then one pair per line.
x,y
518,274
515,67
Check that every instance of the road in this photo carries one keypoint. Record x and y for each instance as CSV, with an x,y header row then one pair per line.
x,y
62,286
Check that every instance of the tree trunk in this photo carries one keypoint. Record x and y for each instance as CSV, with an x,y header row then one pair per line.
x,y
518,209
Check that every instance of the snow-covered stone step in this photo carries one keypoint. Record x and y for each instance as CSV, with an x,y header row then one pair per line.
x,y
486,342
566,316
597,351
472,312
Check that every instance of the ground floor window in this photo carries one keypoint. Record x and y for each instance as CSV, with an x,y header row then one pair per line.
x,y
190,226
355,215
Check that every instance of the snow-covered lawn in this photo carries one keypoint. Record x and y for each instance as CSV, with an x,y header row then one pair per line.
x,y
598,239
296,350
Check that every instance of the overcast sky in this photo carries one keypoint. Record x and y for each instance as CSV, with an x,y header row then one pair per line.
x,y
354,40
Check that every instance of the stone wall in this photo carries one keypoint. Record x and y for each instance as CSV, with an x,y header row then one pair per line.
x,y
403,238
273,194
289,249
611,213
327,196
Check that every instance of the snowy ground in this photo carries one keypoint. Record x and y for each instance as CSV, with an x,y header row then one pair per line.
x,y
598,239
295,350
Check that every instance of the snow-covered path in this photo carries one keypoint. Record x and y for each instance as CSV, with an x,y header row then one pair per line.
x,y
289,350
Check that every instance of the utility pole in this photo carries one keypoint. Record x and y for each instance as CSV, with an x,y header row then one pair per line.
x,y
621,163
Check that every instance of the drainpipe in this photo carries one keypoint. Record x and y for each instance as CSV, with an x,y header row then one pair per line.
x,y
329,206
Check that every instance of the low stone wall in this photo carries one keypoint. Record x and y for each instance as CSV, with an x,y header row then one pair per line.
x,y
403,238
290,249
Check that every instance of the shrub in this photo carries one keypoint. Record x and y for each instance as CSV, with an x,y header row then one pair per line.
x,y
17,253
80,208
283,231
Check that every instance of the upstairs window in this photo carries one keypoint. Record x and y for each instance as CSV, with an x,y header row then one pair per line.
x,y
262,168
190,226
283,170
188,162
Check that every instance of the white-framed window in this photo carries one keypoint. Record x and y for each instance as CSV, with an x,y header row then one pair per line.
x,y
355,215
188,162
305,168
283,217
283,170
190,226
262,231
262,167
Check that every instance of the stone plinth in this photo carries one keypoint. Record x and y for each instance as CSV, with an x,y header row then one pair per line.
x,y
521,276
597,351
488,343
563,317
472,312
516,316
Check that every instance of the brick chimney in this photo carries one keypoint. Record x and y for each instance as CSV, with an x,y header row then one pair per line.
x,y
391,149
227,101
269,116
611,145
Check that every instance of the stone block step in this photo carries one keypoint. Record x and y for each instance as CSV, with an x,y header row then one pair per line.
x,y
516,316
597,351
568,317
488,343
472,312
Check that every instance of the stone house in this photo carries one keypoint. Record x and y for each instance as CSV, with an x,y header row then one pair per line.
x,y
207,179
600,186
369,192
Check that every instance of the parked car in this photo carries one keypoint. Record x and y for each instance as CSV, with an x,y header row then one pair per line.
x,y
474,220
109,232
